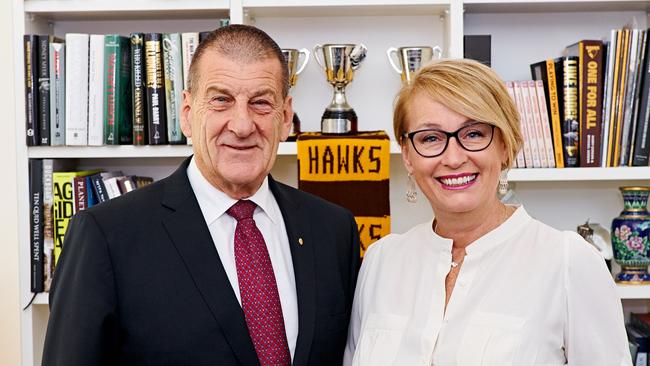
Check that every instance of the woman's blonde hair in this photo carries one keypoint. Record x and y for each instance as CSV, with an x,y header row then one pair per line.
x,y
469,88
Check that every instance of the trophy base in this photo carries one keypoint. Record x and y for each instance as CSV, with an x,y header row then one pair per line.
x,y
295,128
339,122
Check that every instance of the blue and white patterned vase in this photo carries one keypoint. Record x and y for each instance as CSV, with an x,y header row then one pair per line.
x,y
630,237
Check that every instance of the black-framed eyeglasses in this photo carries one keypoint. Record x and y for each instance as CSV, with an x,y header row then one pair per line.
x,y
432,142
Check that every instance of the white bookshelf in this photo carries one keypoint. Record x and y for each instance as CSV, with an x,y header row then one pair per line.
x,y
522,32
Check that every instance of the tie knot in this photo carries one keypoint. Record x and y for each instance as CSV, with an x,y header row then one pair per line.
x,y
243,209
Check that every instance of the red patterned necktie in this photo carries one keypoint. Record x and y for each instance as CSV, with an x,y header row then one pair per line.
x,y
258,290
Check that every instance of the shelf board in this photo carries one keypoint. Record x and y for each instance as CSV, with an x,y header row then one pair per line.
x,y
553,6
320,8
126,9
579,174
42,299
630,292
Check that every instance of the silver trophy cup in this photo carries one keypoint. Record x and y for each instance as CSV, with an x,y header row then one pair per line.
x,y
293,56
411,59
339,62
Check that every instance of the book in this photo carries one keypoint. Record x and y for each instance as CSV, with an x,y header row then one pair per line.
x,y
537,121
57,93
189,42
590,99
30,43
570,123
138,89
117,90
536,146
112,187
636,99
641,139
36,224
173,70
631,88
63,205
640,339
529,155
156,110
545,71
80,193
607,95
44,88
76,89
96,90
545,123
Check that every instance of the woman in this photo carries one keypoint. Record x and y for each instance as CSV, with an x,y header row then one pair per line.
x,y
483,283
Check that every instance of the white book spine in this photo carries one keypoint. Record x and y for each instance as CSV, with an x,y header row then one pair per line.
x,y
525,129
546,123
76,89
96,91
537,124
173,66
520,162
190,41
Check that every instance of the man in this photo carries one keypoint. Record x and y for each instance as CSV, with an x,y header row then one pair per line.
x,y
177,273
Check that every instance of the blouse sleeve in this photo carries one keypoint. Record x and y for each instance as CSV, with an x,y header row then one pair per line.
x,y
595,329
354,329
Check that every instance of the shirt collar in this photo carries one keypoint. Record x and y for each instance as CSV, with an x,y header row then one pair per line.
x,y
214,203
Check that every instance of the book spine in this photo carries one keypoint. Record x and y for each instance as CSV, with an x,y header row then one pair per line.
x,y
591,102
92,199
44,89
138,89
607,97
57,94
156,119
190,41
636,99
570,124
123,96
641,141
614,110
36,224
537,124
546,125
554,113
630,91
48,222
76,89
99,188
620,113
96,91
173,67
530,124
111,51
528,157
63,208
31,104
80,194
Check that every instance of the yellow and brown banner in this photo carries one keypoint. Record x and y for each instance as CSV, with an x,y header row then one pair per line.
x,y
351,171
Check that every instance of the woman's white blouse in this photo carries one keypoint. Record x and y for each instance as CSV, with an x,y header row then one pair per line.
x,y
526,294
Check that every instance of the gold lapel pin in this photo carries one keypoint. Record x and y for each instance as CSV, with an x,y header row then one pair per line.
x,y
300,241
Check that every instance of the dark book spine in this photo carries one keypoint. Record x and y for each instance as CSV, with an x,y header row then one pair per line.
x,y
591,102
36,224
156,116
570,124
138,89
99,188
31,103
44,88
642,137
80,193
124,100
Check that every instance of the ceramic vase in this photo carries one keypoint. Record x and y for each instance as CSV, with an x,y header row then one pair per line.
x,y
630,237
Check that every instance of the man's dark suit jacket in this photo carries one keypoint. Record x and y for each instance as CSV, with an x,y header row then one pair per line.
x,y
140,282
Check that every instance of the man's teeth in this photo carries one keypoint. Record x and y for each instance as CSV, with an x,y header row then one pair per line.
x,y
458,181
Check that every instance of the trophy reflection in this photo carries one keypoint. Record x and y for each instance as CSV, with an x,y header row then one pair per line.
x,y
292,56
411,59
339,62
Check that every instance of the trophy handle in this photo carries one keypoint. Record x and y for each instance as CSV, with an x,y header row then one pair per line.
x,y
389,53
317,48
303,51
357,55
437,51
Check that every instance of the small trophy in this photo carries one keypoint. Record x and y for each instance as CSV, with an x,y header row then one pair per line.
x,y
411,59
341,60
292,56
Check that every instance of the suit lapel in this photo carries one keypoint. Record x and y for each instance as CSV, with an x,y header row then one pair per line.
x,y
188,232
302,254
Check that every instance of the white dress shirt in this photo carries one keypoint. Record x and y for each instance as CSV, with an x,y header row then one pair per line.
x,y
268,218
526,294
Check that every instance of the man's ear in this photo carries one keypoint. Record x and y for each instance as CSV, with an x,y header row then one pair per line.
x,y
287,118
186,115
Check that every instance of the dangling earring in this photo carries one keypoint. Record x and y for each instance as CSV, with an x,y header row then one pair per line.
x,y
503,183
411,190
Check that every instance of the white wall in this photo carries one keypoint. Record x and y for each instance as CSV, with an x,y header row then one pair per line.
x,y
9,291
